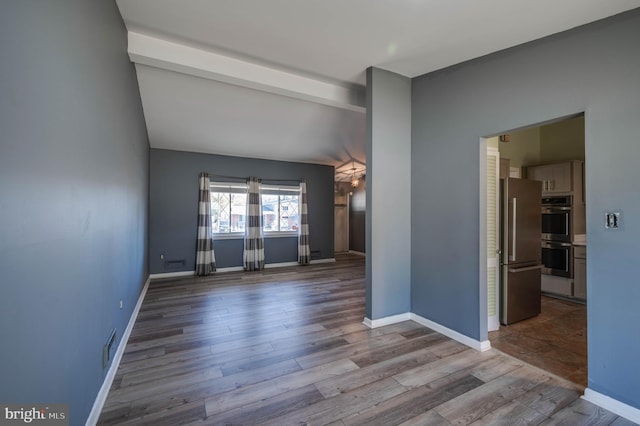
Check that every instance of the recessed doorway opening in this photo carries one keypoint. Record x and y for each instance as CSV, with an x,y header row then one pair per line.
x,y
552,154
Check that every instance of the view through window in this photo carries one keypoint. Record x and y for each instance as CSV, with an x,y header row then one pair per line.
x,y
228,208
280,208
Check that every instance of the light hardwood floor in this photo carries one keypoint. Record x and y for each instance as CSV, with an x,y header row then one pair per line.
x,y
287,347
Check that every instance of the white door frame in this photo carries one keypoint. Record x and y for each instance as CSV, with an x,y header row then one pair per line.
x,y
482,249
493,259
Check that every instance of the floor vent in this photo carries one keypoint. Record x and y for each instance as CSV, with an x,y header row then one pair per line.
x,y
106,350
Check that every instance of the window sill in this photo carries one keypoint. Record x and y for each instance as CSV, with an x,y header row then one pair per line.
x,y
240,236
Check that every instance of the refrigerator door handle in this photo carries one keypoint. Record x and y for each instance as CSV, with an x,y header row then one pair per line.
x,y
525,269
514,227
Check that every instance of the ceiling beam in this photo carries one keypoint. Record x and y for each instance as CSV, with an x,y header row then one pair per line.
x,y
352,161
159,53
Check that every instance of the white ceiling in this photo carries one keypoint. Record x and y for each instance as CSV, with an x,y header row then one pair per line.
x,y
283,79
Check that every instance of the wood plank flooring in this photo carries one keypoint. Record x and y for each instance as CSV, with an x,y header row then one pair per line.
x,y
555,340
287,346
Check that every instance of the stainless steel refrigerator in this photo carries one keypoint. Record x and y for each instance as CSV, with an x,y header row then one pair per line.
x,y
520,251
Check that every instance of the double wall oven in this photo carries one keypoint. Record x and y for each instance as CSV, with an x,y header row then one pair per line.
x,y
557,217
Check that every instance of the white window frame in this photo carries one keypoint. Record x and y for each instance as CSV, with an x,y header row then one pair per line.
x,y
230,188
281,190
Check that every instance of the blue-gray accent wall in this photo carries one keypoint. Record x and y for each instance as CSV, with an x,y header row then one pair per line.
x,y
73,198
174,208
595,69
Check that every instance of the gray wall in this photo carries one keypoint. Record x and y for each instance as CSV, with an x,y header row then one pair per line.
x,y
388,224
73,197
174,208
593,69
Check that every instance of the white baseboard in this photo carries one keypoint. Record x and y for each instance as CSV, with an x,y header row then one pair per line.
x,y
111,374
493,324
230,269
274,265
235,269
279,265
381,322
359,253
465,340
173,275
329,260
285,264
613,405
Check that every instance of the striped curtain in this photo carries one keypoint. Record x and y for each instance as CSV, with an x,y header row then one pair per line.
x,y
205,258
304,251
253,256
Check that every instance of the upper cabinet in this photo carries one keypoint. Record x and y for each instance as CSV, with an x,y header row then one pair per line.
x,y
559,178
505,165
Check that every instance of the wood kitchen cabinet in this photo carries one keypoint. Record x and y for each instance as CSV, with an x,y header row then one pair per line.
x,y
559,178
580,272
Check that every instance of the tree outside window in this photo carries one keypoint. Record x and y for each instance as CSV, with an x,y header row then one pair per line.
x,y
228,209
280,209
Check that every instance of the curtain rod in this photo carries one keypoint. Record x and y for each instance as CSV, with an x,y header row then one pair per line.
x,y
244,179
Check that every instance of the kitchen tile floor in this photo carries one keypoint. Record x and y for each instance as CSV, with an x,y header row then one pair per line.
x,y
555,340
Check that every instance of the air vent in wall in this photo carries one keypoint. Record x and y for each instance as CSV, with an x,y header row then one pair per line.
x,y
107,348
174,264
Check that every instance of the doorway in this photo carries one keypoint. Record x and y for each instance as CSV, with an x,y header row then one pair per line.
x,y
341,237
554,340
341,219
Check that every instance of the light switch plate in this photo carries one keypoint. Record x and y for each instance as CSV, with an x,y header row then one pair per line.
x,y
612,220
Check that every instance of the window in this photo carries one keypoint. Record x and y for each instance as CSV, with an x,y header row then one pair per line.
x,y
280,209
228,208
